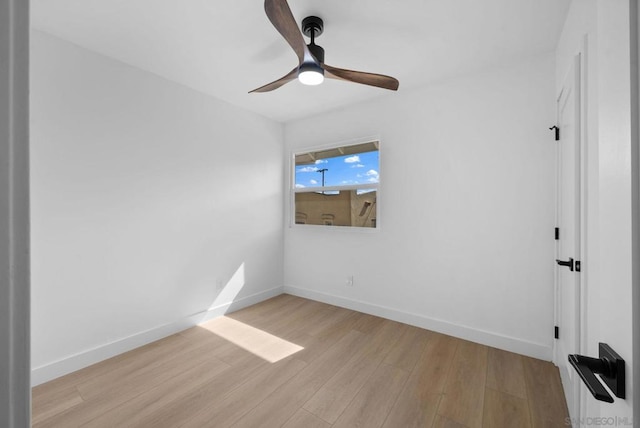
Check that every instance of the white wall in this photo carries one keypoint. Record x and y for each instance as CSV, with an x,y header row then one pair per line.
x,y
473,160
145,195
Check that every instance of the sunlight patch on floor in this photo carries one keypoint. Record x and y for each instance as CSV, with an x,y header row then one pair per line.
x,y
258,342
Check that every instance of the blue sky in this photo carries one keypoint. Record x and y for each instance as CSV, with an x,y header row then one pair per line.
x,y
362,168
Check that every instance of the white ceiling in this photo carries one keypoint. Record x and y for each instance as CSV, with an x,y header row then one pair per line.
x,y
226,48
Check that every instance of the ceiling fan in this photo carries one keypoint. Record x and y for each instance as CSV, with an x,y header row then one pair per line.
x,y
311,69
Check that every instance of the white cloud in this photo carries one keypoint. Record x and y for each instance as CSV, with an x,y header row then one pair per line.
x,y
308,169
352,159
371,173
313,182
319,161
300,186
373,180
358,165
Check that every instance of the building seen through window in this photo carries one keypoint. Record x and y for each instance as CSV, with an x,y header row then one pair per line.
x,y
337,186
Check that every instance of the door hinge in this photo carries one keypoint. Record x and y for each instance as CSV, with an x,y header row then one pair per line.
x,y
578,266
556,332
557,233
557,132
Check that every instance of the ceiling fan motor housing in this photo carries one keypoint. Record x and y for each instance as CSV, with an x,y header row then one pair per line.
x,y
317,52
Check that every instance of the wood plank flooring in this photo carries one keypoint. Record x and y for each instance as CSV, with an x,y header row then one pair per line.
x,y
247,370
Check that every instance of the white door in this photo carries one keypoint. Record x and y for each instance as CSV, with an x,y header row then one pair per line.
x,y
568,243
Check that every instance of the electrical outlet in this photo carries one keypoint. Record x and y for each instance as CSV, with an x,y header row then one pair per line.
x,y
349,281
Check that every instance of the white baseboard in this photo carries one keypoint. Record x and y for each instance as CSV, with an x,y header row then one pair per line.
x,y
86,358
512,344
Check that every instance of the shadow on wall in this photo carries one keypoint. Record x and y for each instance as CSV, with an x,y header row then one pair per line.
x,y
227,293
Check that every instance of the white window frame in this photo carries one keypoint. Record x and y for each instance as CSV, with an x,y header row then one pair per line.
x,y
293,190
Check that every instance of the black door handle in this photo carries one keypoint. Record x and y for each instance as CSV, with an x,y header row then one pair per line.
x,y
569,263
587,368
610,368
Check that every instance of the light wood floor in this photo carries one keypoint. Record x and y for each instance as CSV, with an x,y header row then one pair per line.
x,y
355,370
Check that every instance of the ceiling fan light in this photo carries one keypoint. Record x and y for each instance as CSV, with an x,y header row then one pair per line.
x,y
310,74
310,78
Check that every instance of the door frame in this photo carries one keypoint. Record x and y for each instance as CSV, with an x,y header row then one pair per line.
x,y
634,26
580,61
15,361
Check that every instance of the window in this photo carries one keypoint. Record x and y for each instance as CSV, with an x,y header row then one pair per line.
x,y
337,186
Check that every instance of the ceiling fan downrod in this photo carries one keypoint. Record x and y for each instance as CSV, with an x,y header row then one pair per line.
x,y
312,26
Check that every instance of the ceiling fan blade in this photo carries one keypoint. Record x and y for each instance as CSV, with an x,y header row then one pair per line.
x,y
371,79
292,75
280,15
